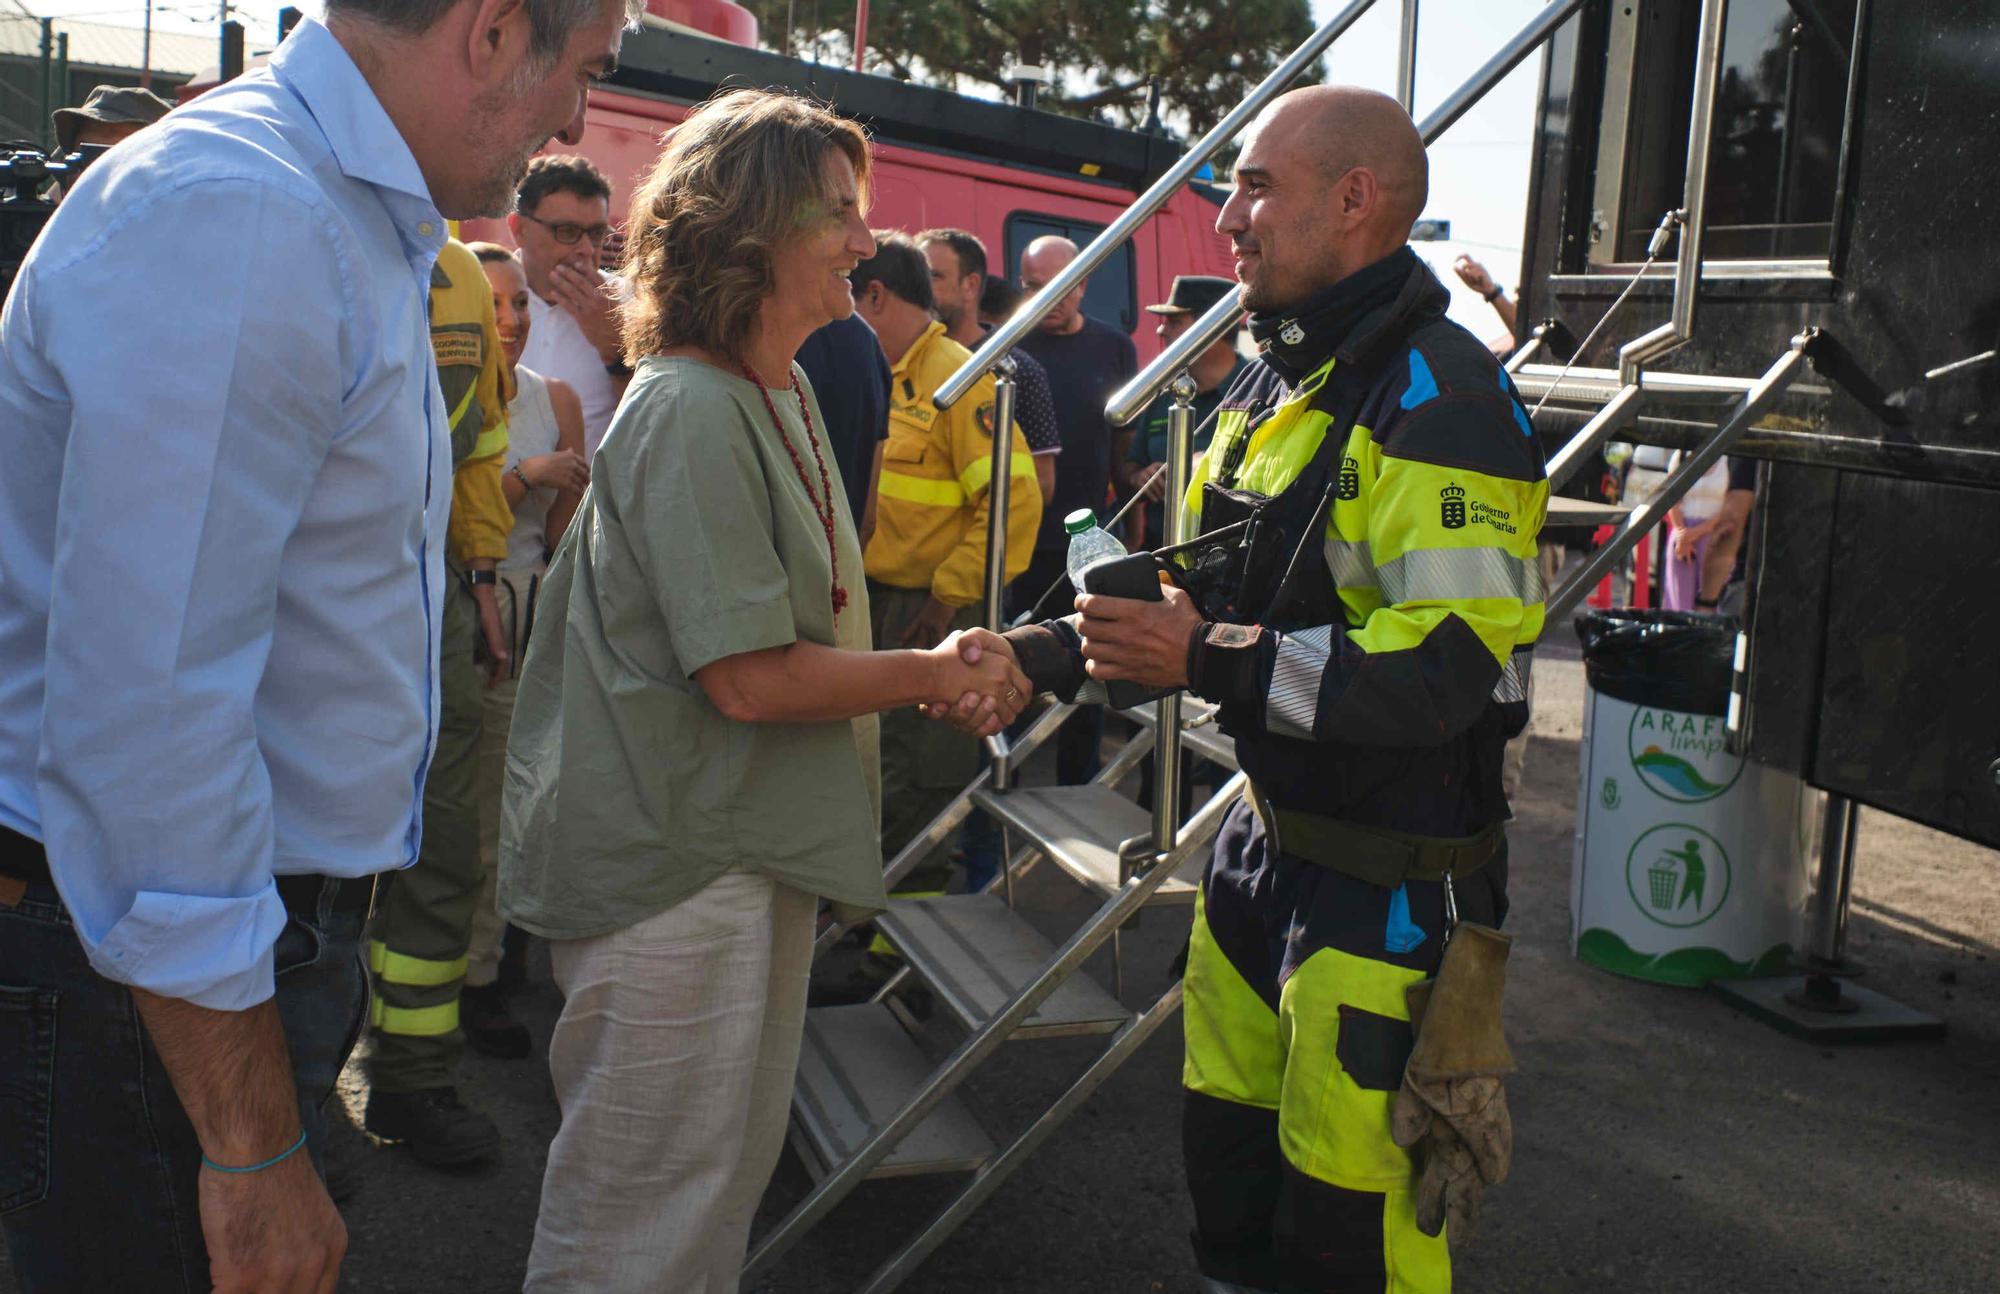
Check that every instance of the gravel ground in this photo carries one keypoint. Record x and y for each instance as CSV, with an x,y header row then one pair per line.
x,y
1664,1142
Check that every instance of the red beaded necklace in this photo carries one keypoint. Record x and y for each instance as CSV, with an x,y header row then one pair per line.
x,y
823,511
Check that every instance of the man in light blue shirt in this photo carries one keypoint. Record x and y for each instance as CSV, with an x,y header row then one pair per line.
x,y
221,528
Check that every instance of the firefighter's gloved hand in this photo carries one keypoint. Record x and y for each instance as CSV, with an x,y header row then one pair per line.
x,y
1452,1111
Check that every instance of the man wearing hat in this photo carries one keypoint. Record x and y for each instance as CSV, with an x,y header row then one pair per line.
x,y
111,113
1213,370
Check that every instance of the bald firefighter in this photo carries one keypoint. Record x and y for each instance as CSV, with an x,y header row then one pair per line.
x,y
423,923
1367,637
926,561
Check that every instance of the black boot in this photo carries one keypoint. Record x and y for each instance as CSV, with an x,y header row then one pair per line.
x,y
440,1130
489,1026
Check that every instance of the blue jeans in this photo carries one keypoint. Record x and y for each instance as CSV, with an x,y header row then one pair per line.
x,y
98,1162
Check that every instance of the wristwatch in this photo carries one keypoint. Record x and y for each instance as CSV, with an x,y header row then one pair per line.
x,y
482,577
1496,293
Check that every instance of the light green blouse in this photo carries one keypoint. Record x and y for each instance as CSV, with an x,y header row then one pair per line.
x,y
626,790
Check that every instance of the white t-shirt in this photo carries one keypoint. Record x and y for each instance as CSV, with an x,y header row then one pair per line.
x,y
557,348
531,432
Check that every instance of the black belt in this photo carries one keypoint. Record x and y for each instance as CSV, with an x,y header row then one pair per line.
x,y
23,859
1375,854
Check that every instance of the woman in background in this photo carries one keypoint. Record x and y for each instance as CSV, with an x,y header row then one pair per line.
x,y
544,476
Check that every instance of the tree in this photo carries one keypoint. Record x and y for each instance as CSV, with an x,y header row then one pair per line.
x,y
1103,53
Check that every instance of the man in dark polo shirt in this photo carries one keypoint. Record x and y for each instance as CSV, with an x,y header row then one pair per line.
x,y
1213,370
1086,361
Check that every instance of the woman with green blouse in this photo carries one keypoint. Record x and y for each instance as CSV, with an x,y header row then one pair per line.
x,y
692,765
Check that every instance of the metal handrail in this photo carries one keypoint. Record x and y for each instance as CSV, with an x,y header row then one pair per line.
x,y
1634,355
1129,400
1595,385
1763,391
1008,335
1406,59
1117,910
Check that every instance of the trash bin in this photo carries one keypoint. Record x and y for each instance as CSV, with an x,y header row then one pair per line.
x,y
1691,862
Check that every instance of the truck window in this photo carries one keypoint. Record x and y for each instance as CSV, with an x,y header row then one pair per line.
x,y
1112,296
1780,121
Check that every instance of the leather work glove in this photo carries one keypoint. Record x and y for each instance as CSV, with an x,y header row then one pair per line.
x,y
1451,1112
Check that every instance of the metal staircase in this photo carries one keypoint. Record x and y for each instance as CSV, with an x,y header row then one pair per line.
x,y
868,1102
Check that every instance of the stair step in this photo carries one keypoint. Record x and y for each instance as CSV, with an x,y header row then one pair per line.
x,y
1582,512
976,953
1207,741
1079,828
856,1068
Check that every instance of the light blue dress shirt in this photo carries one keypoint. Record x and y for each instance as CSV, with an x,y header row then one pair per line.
x,y
222,519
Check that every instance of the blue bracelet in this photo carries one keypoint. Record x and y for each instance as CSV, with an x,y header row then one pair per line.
x,y
206,1162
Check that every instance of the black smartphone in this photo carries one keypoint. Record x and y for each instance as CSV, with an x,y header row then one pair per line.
x,y
1136,577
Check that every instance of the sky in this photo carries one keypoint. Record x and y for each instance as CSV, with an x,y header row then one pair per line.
x,y
1479,168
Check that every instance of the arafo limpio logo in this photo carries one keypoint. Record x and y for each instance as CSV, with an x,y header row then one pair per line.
x,y
1678,874
1683,757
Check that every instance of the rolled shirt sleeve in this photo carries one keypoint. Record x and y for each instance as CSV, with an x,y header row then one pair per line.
x,y
204,403
698,510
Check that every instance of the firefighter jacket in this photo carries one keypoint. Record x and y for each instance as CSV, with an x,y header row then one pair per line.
x,y
931,503
478,384
1395,713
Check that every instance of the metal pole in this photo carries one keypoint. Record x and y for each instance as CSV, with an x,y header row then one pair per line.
x,y
62,67
860,34
1167,728
1008,335
998,491
1406,60
1641,522
48,56
1838,821
1135,395
146,51
1674,333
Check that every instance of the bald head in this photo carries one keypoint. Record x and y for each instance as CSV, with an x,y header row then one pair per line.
x,y
1330,180
1045,258
1346,127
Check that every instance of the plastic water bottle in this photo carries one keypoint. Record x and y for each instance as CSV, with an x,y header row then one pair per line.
x,y
1089,544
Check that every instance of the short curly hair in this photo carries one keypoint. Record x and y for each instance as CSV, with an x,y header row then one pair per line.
x,y
742,176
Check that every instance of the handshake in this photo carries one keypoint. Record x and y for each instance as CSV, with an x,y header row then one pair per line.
x,y
979,682
977,674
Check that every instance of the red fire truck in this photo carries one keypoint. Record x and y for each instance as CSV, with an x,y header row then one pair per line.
x,y
1007,173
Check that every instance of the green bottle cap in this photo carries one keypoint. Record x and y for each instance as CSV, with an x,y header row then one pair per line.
x,y
1079,521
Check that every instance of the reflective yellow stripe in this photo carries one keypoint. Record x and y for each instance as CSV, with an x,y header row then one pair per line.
x,y
918,489
975,477
490,442
417,972
464,403
414,1022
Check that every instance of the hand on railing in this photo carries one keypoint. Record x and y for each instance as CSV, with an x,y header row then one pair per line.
x,y
977,667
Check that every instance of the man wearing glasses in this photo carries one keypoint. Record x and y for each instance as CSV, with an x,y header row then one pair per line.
x,y
561,220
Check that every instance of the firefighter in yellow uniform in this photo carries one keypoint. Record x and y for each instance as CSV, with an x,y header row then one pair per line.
x,y
1367,640
926,562
423,923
